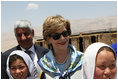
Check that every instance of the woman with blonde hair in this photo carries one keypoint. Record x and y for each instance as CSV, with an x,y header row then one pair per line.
x,y
63,61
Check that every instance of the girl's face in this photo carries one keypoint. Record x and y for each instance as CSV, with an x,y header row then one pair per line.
x,y
105,65
19,69
60,42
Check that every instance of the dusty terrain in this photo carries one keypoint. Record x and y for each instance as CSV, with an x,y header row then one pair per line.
x,y
108,23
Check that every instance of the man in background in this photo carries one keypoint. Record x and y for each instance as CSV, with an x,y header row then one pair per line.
x,y
24,35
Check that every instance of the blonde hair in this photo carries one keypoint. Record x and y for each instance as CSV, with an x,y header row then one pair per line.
x,y
53,23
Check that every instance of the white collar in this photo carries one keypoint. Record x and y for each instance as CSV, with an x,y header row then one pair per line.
x,y
31,48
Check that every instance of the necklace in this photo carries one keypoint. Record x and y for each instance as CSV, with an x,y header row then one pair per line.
x,y
64,59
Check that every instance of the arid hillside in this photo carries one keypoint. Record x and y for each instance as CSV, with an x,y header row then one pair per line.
x,y
108,23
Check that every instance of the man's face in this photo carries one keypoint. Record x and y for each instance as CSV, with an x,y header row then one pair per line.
x,y
24,37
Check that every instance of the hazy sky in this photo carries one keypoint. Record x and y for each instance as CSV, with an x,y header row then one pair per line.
x,y
37,11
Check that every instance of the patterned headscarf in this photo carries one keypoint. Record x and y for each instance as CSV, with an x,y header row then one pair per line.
x,y
48,64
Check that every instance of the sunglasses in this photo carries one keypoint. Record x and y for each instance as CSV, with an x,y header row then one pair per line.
x,y
56,36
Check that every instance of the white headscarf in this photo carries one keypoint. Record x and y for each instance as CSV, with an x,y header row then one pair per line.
x,y
28,62
89,59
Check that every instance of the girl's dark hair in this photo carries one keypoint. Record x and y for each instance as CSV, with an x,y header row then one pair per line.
x,y
14,58
107,49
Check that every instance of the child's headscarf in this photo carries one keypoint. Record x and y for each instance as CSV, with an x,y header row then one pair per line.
x,y
89,59
28,62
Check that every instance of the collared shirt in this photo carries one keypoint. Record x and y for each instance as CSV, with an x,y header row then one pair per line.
x,y
31,49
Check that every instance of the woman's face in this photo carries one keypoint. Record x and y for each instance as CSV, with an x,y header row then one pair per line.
x,y
62,42
19,69
105,65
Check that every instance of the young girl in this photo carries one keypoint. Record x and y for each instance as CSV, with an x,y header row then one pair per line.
x,y
99,62
20,66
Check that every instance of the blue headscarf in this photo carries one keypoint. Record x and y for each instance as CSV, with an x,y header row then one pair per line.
x,y
114,47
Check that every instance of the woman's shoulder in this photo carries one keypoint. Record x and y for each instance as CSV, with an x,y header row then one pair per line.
x,y
77,74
